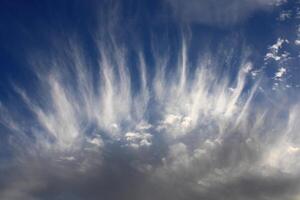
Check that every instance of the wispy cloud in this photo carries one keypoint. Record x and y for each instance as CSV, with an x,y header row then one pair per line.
x,y
186,131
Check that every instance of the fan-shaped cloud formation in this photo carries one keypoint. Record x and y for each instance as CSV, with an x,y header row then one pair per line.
x,y
167,129
215,137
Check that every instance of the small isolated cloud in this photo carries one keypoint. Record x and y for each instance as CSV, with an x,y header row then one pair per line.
x,y
285,15
274,50
219,12
281,71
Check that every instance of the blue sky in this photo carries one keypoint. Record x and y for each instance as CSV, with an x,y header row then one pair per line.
x,y
161,99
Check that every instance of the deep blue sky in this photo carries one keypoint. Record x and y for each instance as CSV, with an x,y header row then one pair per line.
x,y
26,25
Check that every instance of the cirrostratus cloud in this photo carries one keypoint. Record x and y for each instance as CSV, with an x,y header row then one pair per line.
x,y
219,12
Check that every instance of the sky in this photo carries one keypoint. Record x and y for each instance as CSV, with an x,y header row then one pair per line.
x,y
149,99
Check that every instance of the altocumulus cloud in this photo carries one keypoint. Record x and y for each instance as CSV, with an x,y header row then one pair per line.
x,y
169,129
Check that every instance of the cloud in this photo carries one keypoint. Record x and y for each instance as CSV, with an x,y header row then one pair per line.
x,y
136,139
275,53
114,130
207,137
219,12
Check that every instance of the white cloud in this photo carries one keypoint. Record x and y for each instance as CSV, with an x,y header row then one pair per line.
x,y
138,139
274,50
143,126
281,71
96,141
175,125
209,130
